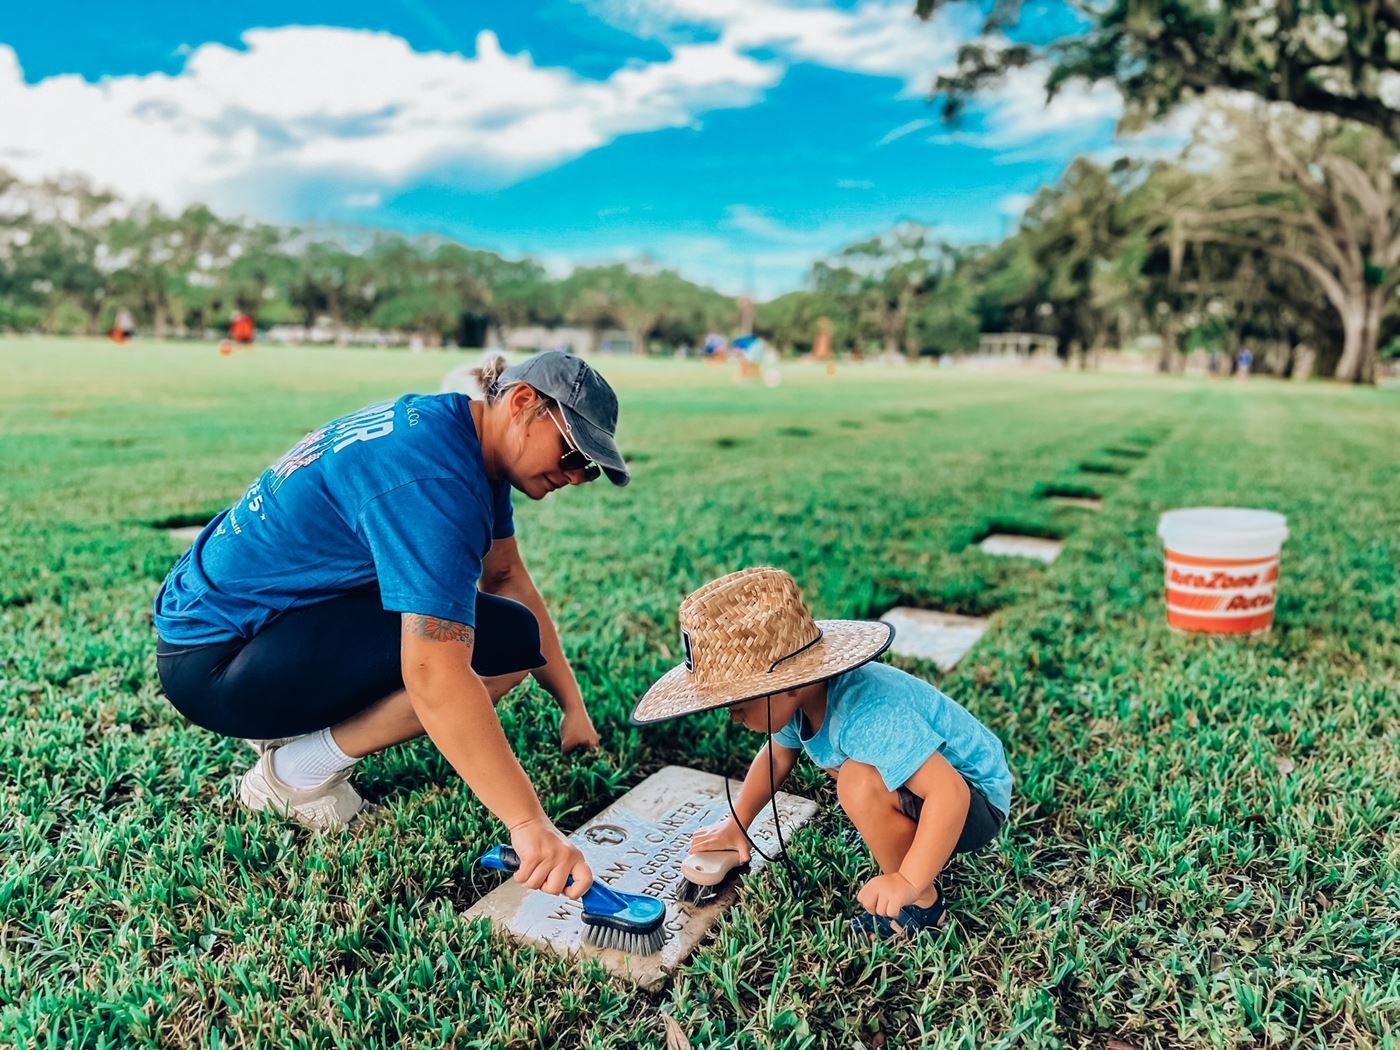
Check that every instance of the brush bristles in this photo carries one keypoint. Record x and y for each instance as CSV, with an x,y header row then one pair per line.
x,y
694,893
636,943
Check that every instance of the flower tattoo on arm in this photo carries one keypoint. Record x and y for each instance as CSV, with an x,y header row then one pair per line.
x,y
436,629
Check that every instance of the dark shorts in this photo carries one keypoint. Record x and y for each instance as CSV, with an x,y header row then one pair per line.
x,y
984,820
314,666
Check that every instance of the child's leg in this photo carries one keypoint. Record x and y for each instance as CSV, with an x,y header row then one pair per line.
x,y
875,810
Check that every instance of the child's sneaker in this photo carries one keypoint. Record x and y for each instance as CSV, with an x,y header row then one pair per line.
x,y
912,921
331,805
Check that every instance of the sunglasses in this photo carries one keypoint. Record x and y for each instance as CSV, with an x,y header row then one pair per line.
x,y
575,458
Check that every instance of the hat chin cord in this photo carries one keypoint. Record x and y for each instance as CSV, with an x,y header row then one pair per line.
x,y
773,801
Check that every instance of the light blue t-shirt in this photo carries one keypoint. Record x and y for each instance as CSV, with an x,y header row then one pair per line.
x,y
895,722
395,495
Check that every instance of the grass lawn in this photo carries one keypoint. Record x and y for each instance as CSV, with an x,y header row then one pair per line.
x,y
1202,850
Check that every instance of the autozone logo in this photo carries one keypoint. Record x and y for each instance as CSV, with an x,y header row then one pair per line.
x,y
1217,579
1251,601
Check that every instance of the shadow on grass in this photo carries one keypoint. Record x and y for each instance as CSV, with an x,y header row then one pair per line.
x,y
1066,490
970,596
1095,466
184,521
1016,527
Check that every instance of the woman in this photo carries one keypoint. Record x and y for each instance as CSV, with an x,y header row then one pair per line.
x,y
368,588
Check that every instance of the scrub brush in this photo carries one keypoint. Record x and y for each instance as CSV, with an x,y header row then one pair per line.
x,y
705,874
630,922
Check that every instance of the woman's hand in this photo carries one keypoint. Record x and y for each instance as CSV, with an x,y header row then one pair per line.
x,y
726,835
576,730
548,859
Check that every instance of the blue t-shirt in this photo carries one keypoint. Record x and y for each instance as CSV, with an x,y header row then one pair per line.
x,y
895,722
394,495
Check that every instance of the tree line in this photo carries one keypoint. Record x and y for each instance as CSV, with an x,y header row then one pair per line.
x,y
1279,229
72,257
1289,243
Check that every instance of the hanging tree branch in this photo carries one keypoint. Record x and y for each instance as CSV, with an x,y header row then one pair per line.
x,y
1324,56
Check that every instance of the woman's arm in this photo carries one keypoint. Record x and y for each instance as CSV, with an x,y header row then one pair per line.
x,y
503,572
456,712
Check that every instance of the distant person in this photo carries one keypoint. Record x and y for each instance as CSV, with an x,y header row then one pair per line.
x,y
1243,362
754,354
916,773
367,589
1217,362
125,326
241,329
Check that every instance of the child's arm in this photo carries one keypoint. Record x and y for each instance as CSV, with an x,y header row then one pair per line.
x,y
754,794
758,788
946,798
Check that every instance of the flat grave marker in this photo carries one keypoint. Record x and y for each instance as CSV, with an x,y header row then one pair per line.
x,y
186,534
1006,544
926,634
1086,502
637,845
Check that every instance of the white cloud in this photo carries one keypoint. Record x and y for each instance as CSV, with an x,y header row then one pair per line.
x,y
1021,125
355,106
758,224
904,129
364,200
882,37
750,253
876,37
1018,111
1013,205
759,227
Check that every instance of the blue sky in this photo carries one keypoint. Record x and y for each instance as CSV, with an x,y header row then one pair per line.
x,y
736,140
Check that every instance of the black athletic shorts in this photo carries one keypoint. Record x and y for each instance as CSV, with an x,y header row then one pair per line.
x,y
314,666
984,820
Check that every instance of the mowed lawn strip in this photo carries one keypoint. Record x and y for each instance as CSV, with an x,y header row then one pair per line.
x,y
1201,851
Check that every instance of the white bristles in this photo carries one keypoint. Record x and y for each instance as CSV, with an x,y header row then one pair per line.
x,y
636,943
696,894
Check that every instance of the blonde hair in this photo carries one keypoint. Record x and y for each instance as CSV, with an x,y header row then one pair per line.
x,y
488,377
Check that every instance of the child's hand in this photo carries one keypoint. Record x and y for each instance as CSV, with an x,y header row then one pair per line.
x,y
724,835
886,894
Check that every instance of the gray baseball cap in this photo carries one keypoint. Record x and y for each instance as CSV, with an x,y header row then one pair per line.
x,y
589,404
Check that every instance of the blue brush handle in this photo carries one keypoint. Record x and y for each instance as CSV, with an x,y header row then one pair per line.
x,y
599,900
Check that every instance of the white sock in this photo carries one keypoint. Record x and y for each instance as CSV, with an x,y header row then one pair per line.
x,y
310,760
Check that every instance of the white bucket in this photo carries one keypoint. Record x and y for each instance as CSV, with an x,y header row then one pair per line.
x,y
1222,567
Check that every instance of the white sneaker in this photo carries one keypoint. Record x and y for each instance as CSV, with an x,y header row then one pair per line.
x,y
331,805
264,746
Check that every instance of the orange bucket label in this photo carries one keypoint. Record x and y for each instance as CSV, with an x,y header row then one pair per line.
x,y
1219,595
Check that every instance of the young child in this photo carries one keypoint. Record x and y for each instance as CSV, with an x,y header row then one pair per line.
x,y
919,777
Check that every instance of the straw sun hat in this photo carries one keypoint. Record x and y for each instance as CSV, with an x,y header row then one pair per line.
x,y
749,634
